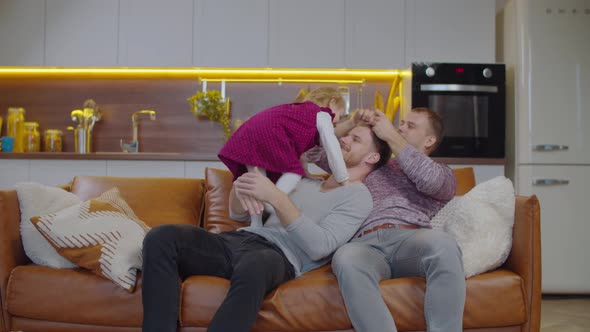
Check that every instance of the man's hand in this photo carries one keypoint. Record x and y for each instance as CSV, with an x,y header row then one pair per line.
x,y
312,155
360,117
385,130
251,205
256,187
364,117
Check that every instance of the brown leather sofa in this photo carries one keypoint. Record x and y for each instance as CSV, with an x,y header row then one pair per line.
x,y
37,298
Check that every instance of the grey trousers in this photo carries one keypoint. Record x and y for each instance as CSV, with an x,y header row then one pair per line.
x,y
395,253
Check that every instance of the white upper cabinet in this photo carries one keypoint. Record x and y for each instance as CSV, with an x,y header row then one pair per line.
x,y
307,33
156,33
231,33
81,33
22,24
374,34
450,30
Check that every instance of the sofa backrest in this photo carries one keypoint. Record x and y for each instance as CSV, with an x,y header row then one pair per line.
x,y
216,218
465,179
154,200
218,184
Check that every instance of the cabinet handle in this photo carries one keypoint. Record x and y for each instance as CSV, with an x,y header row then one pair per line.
x,y
550,147
550,182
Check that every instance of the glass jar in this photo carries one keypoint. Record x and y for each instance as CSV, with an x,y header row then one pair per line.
x,y
31,139
52,141
15,125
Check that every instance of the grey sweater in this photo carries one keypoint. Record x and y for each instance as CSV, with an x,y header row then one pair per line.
x,y
327,221
410,189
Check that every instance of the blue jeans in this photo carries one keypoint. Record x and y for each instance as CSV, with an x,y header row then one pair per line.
x,y
254,266
396,253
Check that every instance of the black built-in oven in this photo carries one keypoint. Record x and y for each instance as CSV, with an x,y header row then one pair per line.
x,y
471,100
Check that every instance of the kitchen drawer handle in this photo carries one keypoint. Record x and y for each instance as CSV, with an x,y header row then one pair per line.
x,y
550,147
550,182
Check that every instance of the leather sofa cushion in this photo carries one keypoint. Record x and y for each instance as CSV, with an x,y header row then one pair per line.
x,y
305,303
154,200
71,296
218,185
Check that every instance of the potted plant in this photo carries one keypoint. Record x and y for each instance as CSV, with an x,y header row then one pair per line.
x,y
211,105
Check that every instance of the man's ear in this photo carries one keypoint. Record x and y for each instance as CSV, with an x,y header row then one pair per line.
x,y
372,158
430,141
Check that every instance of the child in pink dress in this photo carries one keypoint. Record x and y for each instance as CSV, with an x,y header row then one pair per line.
x,y
274,140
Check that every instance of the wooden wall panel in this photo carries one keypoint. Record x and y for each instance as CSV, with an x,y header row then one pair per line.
x,y
50,101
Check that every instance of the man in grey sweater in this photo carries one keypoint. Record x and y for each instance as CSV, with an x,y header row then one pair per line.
x,y
395,240
307,227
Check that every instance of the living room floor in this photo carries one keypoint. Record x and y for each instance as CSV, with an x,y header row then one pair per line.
x,y
565,313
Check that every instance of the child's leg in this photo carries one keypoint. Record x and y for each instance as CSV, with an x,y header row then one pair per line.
x,y
256,219
286,183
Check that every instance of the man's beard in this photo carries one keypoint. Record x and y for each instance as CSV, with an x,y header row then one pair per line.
x,y
353,162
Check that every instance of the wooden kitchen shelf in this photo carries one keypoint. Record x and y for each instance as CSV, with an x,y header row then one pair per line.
x,y
110,156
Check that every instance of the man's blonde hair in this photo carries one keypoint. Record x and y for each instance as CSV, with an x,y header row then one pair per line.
x,y
322,97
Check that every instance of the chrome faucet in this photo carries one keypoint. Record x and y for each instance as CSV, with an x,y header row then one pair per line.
x,y
134,145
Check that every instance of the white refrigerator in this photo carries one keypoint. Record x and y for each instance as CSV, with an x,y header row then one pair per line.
x,y
545,45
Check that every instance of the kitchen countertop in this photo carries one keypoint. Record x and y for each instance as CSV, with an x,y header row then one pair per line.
x,y
191,157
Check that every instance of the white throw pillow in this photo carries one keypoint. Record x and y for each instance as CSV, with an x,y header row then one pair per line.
x,y
37,199
481,221
102,234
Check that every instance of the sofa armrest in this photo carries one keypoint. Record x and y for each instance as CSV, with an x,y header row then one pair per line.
x,y
525,256
12,253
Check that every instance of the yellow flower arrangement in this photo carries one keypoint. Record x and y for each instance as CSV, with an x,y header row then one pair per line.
x,y
210,104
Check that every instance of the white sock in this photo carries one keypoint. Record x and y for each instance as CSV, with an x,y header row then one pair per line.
x,y
286,183
256,220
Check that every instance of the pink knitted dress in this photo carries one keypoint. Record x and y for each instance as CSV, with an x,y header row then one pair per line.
x,y
274,140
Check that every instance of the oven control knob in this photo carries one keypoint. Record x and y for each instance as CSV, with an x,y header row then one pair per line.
x,y
430,72
487,73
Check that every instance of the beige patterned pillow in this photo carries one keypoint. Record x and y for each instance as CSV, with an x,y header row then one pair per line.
x,y
102,234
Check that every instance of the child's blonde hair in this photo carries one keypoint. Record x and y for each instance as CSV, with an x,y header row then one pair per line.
x,y
322,97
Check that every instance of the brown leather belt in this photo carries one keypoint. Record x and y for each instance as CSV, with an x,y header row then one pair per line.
x,y
384,226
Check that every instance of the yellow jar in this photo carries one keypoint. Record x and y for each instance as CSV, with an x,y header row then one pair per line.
x,y
52,142
32,139
15,125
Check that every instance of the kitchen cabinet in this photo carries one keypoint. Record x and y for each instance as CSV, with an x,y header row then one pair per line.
x,y
450,31
374,31
13,172
196,169
230,33
484,172
22,29
61,172
134,168
564,224
306,34
156,33
81,33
